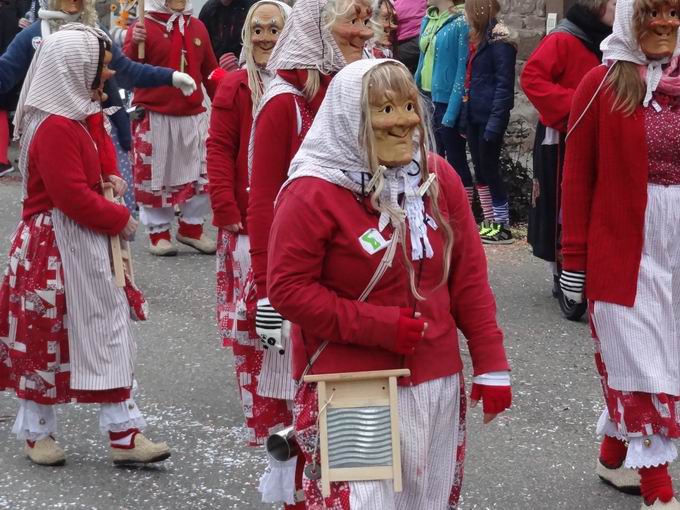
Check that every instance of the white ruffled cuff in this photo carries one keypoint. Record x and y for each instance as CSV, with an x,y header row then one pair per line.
x,y
277,483
650,451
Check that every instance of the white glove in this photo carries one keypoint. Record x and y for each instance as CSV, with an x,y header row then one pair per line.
x,y
268,323
183,82
572,283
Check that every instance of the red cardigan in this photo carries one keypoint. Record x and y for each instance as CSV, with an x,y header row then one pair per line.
x,y
319,268
70,182
604,194
228,138
551,75
160,51
276,142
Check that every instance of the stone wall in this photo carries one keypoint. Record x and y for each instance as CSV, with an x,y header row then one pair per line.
x,y
526,18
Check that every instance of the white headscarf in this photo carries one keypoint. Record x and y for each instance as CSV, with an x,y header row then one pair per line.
x,y
58,82
159,6
306,42
623,45
331,152
52,17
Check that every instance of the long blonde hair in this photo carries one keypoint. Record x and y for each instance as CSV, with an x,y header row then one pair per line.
x,y
254,81
479,14
624,78
392,79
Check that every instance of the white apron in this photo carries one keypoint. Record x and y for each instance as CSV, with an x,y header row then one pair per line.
x,y
101,344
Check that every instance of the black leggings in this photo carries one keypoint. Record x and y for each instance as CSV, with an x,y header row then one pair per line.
x,y
451,145
485,159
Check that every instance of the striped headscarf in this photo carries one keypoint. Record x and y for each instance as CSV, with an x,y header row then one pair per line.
x,y
58,82
306,41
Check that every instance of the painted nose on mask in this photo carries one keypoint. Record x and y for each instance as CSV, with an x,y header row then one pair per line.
x,y
667,22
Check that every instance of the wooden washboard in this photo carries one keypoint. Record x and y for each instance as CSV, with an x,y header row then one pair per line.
x,y
359,427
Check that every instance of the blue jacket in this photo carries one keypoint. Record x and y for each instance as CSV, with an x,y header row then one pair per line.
x,y
14,64
448,71
492,83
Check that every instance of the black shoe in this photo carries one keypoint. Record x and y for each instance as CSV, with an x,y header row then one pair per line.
x,y
498,234
6,169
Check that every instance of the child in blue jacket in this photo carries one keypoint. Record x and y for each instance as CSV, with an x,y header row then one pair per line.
x,y
490,89
441,76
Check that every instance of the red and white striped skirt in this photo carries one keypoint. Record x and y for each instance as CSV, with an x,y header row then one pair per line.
x,y
432,437
236,307
175,185
34,349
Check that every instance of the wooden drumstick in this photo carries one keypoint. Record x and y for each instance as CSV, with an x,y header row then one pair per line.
x,y
141,47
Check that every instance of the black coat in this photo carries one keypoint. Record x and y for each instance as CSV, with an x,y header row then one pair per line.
x,y
224,24
492,85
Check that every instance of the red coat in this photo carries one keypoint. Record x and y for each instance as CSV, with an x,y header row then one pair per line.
x,y
228,138
604,194
551,75
71,181
319,268
163,49
276,142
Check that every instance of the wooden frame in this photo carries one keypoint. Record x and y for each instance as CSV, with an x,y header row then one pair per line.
x,y
121,254
359,390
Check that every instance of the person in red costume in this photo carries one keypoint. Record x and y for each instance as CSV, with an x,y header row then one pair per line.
x,y
620,247
378,263
319,39
59,262
237,96
170,131
549,80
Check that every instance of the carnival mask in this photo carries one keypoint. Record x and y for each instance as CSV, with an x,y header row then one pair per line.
x,y
387,21
265,28
659,31
352,29
176,5
71,6
394,121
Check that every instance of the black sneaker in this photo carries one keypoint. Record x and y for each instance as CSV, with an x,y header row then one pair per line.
x,y
6,169
497,234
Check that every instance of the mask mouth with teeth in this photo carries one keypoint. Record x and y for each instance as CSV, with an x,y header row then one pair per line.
x,y
656,25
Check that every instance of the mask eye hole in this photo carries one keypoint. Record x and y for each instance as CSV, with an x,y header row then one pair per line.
x,y
654,14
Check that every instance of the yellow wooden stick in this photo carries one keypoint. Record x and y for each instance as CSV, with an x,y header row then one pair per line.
x,y
141,47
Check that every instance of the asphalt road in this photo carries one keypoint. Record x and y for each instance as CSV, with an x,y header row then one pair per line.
x,y
538,456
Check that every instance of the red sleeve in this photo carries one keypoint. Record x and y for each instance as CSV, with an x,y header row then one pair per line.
x,y
222,149
540,81
300,233
66,182
271,159
472,302
129,47
209,63
580,170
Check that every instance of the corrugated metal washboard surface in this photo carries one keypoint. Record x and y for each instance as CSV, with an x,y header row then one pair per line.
x,y
359,436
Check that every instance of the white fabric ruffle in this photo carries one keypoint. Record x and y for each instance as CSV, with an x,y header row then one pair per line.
x,y
120,416
650,451
34,421
277,483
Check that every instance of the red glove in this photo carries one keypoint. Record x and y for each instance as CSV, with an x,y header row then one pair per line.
x,y
410,331
217,74
229,62
495,399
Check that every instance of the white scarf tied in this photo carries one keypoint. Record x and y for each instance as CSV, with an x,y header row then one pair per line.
x,y
623,45
400,180
159,6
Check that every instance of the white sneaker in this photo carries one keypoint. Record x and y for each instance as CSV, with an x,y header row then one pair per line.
x,y
143,451
673,504
45,452
622,479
